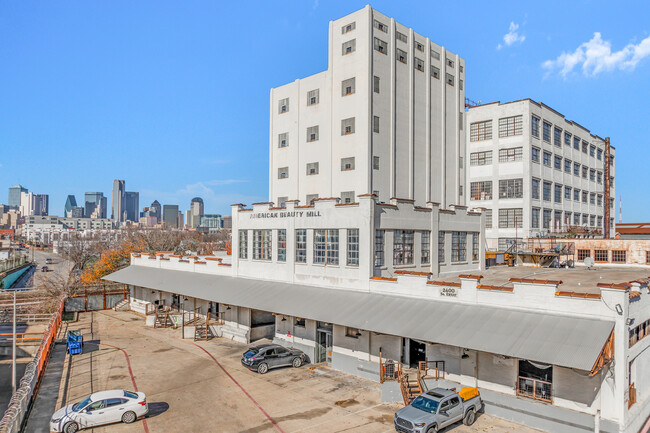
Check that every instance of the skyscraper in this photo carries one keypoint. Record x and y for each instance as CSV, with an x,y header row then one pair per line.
x,y
117,201
70,202
170,216
95,205
156,209
131,205
34,204
14,195
195,212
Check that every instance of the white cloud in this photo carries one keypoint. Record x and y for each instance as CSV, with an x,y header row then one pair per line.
x,y
512,36
596,56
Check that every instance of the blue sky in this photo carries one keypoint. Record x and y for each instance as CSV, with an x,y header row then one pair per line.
x,y
173,96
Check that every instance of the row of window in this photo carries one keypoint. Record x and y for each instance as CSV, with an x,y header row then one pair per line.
x,y
559,137
640,331
558,219
557,190
570,167
347,164
346,197
325,247
508,127
403,247
602,256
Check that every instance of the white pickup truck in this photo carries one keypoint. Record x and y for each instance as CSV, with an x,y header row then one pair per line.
x,y
438,408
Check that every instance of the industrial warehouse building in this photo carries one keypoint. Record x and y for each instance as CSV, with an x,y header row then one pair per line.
x,y
366,257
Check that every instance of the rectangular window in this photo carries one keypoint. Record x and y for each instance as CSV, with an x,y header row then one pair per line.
x,y
599,177
401,56
585,147
312,133
534,126
576,195
449,79
283,105
450,63
300,322
418,64
349,47
488,218
599,200
585,219
313,97
567,138
534,154
312,168
347,126
511,188
510,126
557,193
535,188
592,175
353,247
546,132
480,158
458,247
375,86
592,150
583,254
419,46
375,124
283,172
460,85
425,247
352,332
475,246
379,248
375,163
534,218
243,244
348,28
347,164
326,247
576,169
479,131
381,46
557,162
584,171
262,244
567,166
619,256
601,256
401,37
380,26
435,55
567,193
599,154
435,72
510,218
585,196
576,143
403,247
282,245
576,218
557,136
301,246
282,201
480,190
510,155
441,247
347,197
547,191
347,86
283,139
592,198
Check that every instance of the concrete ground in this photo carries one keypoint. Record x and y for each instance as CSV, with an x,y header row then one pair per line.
x,y
202,386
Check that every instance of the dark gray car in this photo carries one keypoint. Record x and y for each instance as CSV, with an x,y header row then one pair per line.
x,y
264,357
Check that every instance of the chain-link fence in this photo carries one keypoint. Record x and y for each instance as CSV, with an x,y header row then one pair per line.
x,y
22,399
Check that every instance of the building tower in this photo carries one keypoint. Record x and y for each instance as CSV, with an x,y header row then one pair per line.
x,y
195,213
70,202
156,210
131,205
95,205
14,196
117,201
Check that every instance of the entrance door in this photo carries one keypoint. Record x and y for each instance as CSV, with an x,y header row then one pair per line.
x,y
324,346
417,353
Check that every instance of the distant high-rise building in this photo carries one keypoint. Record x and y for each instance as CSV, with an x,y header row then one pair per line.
x,y
156,210
170,215
34,204
70,202
195,212
226,222
181,222
117,201
131,205
14,195
210,221
76,212
95,205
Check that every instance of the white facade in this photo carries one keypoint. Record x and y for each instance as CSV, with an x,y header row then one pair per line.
x,y
534,171
47,229
386,117
33,204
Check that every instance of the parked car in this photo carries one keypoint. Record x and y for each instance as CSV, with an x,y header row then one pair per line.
x,y
45,269
48,261
438,408
264,357
100,408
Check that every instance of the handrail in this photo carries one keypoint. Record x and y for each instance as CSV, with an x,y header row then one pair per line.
x,y
426,365
536,389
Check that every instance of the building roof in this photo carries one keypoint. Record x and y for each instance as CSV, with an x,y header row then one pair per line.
x,y
568,341
633,228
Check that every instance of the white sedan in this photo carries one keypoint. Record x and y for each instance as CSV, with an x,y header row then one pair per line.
x,y
100,408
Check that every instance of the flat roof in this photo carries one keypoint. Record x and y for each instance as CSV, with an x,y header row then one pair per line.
x,y
578,279
559,339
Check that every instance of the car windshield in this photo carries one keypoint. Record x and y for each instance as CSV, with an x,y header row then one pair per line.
x,y
425,404
83,403
130,394
251,353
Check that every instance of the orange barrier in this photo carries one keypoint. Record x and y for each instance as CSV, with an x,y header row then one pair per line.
x,y
48,338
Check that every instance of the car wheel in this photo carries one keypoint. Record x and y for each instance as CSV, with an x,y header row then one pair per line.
x,y
128,417
263,368
432,429
71,427
297,362
470,417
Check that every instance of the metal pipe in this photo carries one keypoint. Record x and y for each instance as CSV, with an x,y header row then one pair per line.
x,y
13,351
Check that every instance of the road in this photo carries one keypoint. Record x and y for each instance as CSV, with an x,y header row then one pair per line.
x,y
59,267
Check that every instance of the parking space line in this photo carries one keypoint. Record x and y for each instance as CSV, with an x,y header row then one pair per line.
x,y
135,386
275,424
344,416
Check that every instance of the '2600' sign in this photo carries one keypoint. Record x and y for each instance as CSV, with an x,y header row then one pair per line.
x,y
449,291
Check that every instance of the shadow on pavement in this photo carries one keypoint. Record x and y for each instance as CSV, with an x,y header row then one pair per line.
x,y
157,408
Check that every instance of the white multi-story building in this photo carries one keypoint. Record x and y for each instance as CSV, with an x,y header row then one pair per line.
x,y
386,117
535,172
48,229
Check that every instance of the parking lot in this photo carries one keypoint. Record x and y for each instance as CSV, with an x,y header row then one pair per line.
x,y
203,387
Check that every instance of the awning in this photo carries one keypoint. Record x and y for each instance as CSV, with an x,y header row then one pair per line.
x,y
567,341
